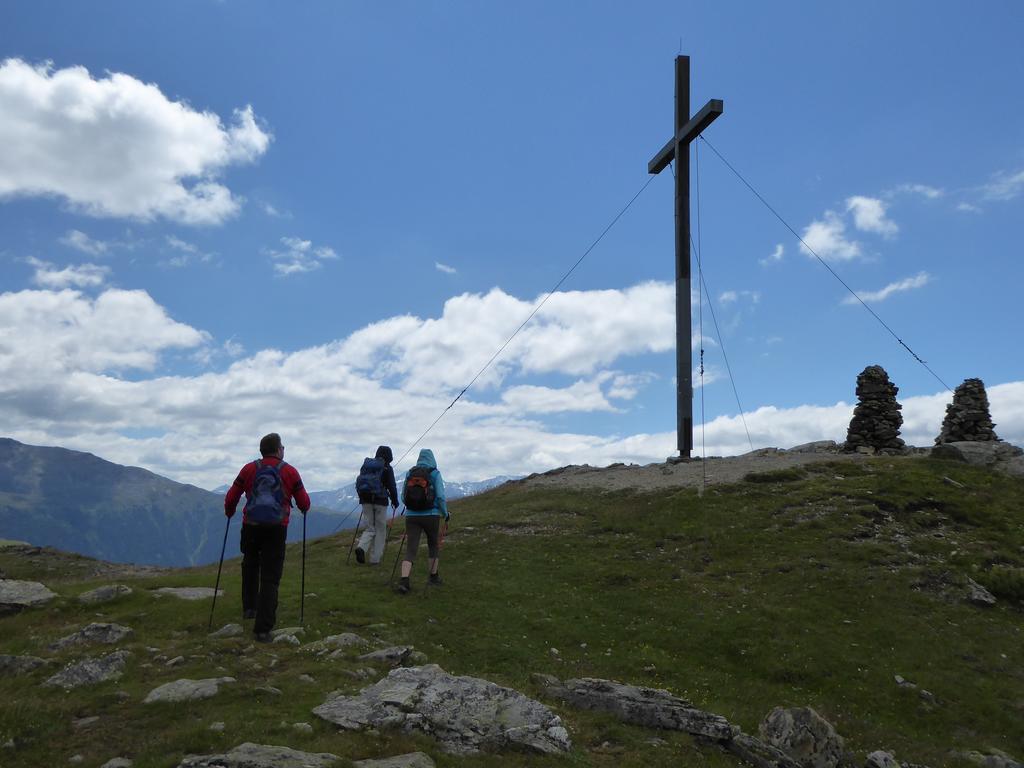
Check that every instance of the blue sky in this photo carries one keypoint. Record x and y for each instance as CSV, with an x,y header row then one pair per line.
x,y
219,219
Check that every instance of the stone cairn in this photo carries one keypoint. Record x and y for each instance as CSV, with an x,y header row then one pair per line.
x,y
876,422
967,417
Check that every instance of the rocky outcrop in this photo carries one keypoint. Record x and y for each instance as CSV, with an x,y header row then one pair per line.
x,y
657,708
187,593
647,707
90,671
411,760
108,634
12,666
818,446
228,630
17,595
804,735
755,752
104,594
967,417
465,714
992,759
187,690
876,422
881,759
335,643
397,655
978,595
993,454
250,755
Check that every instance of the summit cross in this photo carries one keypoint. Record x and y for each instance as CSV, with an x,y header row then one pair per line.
x,y
687,129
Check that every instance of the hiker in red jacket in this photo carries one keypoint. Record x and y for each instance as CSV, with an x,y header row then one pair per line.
x,y
269,485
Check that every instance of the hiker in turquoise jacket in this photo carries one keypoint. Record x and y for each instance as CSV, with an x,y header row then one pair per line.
x,y
425,506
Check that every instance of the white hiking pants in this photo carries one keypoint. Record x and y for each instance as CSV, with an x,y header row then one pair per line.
x,y
375,517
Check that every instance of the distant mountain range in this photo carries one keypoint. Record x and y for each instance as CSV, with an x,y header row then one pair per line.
x,y
81,503
343,499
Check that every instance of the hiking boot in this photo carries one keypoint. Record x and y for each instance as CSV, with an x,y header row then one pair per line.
x,y
360,555
250,614
403,587
263,637
435,579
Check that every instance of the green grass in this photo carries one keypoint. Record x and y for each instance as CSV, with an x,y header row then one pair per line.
x,y
812,587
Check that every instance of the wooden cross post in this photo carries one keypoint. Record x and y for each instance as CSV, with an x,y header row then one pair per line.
x,y
678,149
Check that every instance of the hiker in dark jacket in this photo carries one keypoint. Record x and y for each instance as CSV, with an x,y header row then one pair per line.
x,y
425,506
375,510
269,485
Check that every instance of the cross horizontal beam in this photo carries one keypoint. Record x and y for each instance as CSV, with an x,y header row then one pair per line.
x,y
686,134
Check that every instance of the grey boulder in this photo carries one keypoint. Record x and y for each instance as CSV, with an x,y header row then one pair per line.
x,y
187,690
90,671
251,755
108,634
991,453
12,666
16,595
188,593
881,759
647,707
465,714
804,735
411,760
104,594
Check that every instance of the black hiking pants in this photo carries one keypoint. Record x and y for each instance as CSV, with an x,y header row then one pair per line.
x,y
262,565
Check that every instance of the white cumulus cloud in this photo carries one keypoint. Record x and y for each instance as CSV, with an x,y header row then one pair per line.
x,y
924,190
60,333
774,257
82,242
575,333
300,256
826,237
1004,186
81,276
869,215
117,147
584,396
919,280
444,268
84,373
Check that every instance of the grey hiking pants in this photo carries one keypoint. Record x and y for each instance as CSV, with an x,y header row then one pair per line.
x,y
375,517
429,526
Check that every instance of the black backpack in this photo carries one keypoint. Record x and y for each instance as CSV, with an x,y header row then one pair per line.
x,y
266,505
418,493
370,483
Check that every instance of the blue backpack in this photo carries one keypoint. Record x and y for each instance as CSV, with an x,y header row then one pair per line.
x,y
370,483
266,505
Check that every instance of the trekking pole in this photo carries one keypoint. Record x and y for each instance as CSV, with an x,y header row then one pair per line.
x,y
354,534
387,532
401,544
216,587
302,598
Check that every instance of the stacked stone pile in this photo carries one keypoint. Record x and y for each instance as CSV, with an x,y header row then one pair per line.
x,y
876,422
967,417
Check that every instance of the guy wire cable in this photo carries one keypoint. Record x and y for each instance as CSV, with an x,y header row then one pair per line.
x,y
718,332
522,325
700,327
825,264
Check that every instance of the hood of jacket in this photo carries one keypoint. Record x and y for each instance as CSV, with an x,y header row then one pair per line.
x,y
384,452
426,459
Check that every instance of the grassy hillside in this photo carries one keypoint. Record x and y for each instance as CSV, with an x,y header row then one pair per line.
x,y
800,587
